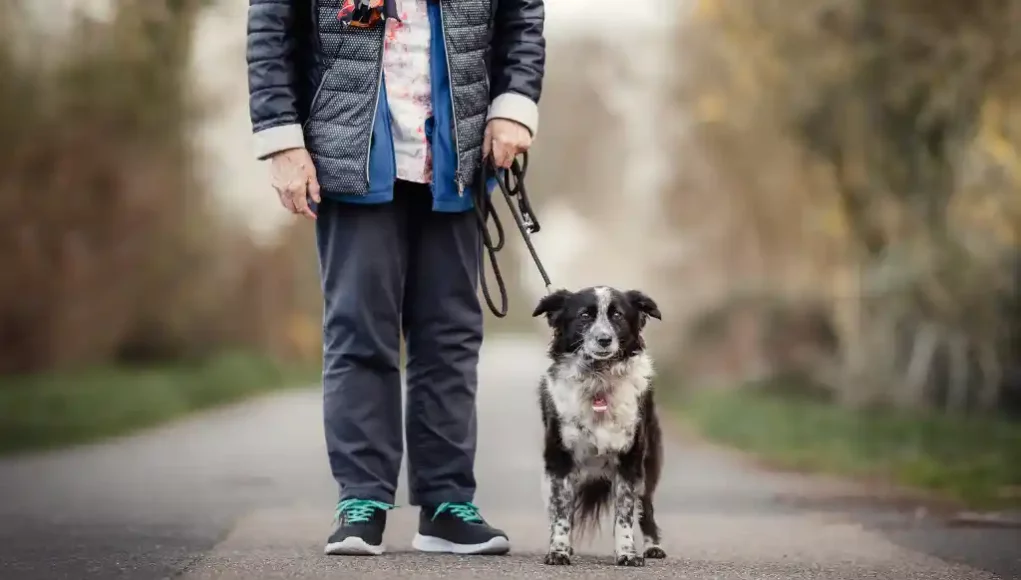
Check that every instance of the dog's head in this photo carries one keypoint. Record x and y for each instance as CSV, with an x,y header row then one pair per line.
x,y
598,323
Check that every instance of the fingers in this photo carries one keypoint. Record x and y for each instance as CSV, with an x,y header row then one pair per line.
x,y
313,188
503,155
299,198
294,178
311,191
301,208
286,201
504,141
505,152
293,198
487,142
503,149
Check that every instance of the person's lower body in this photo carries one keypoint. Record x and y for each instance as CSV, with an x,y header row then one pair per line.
x,y
386,270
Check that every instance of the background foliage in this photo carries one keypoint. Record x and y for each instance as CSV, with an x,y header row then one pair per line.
x,y
112,250
868,153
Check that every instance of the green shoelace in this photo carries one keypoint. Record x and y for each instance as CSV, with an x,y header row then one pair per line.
x,y
465,511
357,511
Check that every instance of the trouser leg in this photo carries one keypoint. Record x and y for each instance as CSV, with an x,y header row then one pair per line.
x,y
443,334
363,260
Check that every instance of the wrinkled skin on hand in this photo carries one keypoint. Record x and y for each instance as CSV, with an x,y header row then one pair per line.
x,y
505,140
294,178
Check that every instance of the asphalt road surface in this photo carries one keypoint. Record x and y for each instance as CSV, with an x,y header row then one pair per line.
x,y
244,493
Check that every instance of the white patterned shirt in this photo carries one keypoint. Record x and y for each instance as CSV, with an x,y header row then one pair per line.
x,y
409,90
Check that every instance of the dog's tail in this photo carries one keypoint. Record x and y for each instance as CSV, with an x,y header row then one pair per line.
x,y
590,503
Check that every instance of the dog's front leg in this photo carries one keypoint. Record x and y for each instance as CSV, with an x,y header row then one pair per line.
x,y
560,508
625,501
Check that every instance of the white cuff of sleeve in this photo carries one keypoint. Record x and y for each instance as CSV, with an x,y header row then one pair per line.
x,y
516,108
276,139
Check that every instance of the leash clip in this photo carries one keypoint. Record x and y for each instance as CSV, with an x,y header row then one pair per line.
x,y
527,221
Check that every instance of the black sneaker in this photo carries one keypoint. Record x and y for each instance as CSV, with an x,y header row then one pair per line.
x,y
359,529
457,528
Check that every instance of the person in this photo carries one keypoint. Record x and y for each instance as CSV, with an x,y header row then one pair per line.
x,y
376,116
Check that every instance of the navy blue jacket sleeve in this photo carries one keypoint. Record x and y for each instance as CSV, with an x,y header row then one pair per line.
x,y
273,74
518,57
519,48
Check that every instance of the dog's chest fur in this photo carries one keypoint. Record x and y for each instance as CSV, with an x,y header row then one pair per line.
x,y
592,438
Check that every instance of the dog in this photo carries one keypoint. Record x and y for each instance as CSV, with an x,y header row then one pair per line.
x,y
603,443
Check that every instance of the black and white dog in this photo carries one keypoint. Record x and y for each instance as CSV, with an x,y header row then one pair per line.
x,y
603,442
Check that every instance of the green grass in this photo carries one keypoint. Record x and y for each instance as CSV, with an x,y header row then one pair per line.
x,y
52,410
975,460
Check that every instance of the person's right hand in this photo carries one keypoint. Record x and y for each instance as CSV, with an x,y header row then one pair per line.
x,y
294,178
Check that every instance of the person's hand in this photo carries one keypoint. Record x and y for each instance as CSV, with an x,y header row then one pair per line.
x,y
294,178
505,140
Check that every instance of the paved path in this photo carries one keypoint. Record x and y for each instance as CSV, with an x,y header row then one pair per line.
x,y
244,493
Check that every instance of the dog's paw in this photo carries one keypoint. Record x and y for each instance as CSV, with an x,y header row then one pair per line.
x,y
558,559
655,553
632,560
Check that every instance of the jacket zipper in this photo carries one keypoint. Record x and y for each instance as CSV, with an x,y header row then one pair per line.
x,y
375,108
315,98
453,111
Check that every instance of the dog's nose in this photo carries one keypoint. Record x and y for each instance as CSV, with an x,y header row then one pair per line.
x,y
604,341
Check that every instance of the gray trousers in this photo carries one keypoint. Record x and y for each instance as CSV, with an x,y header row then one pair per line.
x,y
387,269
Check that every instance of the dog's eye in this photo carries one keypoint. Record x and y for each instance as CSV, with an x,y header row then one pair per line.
x,y
616,315
585,315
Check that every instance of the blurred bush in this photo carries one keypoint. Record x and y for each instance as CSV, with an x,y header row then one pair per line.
x,y
864,155
112,250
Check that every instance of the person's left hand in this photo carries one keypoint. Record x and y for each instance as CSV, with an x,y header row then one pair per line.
x,y
505,140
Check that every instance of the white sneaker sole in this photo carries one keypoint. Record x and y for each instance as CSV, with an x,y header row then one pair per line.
x,y
353,547
496,546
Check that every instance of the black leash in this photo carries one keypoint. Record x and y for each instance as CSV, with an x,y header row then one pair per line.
x,y
524,217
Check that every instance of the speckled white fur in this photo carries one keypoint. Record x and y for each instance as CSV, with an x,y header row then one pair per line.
x,y
589,434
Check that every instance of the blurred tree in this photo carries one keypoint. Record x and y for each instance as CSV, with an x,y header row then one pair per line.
x,y
900,117
111,249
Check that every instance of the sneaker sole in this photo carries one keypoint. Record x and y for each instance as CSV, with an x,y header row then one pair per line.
x,y
494,547
353,547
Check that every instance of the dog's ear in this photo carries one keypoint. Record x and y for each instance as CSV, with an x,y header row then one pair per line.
x,y
647,306
552,304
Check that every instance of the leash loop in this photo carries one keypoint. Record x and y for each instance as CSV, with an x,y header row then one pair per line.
x,y
511,183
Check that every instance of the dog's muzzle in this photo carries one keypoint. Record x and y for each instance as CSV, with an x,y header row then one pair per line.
x,y
601,346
